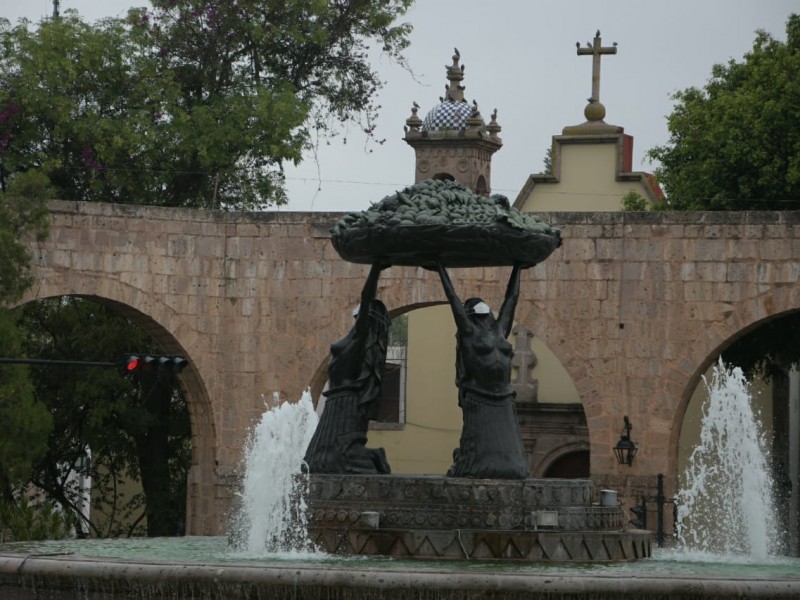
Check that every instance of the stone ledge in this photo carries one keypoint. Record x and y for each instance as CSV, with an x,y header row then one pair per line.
x,y
417,516
25,577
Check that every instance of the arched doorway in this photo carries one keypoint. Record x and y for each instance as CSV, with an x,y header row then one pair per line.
x,y
572,465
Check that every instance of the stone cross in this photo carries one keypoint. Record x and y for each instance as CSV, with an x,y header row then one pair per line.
x,y
524,360
596,49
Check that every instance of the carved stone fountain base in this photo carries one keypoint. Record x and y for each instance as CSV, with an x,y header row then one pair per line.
x,y
482,519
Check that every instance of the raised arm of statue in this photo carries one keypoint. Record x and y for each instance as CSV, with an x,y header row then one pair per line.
x,y
369,292
506,316
370,289
459,313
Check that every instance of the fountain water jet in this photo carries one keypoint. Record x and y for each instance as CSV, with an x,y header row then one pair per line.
x,y
272,512
726,506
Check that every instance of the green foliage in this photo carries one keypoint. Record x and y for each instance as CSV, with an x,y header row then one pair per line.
x,y
26,421
196,103
634,201
22,212
23,520
735,144
398,331
548,161
320,48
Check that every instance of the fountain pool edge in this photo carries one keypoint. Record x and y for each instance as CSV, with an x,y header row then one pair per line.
x,y
24,577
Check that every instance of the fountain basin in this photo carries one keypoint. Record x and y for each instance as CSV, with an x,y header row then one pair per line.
x,y
456,518
30,573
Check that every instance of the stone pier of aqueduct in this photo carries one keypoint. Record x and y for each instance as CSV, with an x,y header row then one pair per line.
x,y
635,305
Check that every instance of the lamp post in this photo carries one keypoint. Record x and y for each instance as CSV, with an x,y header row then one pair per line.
x,y
625,449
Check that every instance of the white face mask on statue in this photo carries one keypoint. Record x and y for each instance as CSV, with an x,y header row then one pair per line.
x,y
481,308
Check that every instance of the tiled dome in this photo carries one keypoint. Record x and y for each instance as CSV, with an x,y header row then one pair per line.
x,y
453,116
450,114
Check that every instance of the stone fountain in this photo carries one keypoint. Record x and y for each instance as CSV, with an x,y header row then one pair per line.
x,y
486,507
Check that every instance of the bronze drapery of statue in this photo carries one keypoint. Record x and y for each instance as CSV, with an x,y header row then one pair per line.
x,y
355,371
491,444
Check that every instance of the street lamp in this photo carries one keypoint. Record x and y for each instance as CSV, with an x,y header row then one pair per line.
x,y
625,449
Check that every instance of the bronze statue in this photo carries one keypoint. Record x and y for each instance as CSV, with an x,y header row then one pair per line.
x,y
355,371
436,224
491,444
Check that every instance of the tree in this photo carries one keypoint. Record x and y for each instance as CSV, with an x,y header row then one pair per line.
x,y
21,213
92,108
548,161
634,201
195,103
735,144
20,413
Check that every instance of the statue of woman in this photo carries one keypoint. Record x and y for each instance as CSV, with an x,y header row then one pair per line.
x,y
355,371
491,443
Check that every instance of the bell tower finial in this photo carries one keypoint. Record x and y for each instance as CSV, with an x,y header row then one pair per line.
x,y
455,74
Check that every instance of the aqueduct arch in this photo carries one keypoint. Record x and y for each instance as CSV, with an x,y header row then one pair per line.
x,y
633,304
710,360
199,405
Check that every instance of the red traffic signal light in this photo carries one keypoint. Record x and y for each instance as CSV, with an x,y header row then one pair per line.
x,y
132,363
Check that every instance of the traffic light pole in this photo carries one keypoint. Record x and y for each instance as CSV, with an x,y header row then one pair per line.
x,y
129,364
63,363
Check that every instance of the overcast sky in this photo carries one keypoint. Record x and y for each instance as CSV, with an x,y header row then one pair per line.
x,y
520,58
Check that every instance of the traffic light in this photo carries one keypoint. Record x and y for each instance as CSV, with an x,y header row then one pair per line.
x,y
133,364
174,364
130,364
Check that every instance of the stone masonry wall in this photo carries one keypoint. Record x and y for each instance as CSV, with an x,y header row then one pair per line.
x,y
635,305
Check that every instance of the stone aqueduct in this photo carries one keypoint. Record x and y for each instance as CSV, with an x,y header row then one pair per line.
x,y
635,305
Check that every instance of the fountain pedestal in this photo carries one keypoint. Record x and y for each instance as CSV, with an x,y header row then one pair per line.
x,y
455,518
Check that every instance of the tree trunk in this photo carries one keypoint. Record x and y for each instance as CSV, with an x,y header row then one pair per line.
x,y
163,518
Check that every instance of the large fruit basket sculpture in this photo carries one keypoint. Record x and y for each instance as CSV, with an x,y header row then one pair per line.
x,y
442,220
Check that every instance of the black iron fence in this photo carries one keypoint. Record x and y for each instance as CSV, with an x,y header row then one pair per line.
x,y
659,502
